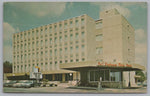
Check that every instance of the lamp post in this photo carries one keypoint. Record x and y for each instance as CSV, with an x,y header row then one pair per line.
x,y
70,76
129,85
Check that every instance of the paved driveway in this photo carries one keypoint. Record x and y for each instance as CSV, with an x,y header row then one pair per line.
x,y
60,89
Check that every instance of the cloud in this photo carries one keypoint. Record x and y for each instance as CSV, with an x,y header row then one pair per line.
x,y
41,9
140,35
107,6
141,53
8,31
141,47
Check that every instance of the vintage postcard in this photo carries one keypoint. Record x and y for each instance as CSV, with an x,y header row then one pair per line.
x,y
75,47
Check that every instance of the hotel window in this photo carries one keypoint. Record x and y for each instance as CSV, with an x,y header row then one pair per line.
x,y
32,44
99,50
71,50
71,30
65,37
55,40
50,52
21,46
83,59
41,31
28,34
46,67
60,26
25,46
17,57
18,68
60,39
21,57
37,32
99,37
77,23
29,56
33,65
50,40
25,68
77,48
25,35
42,53
82,48
65,27
50,29
55,62
65,50
82,21
41,66
21,36
71,37
32,33
129,50
50,63
71,25
77,36
66,61
46,41
55,52
29,65
17,47
25,56
41,42
71,60
129,61
77,60
55,28
98,25
82,34
17,37
37,43
46,53
46,29
60,51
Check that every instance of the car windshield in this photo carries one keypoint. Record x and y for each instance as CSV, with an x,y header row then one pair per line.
x,y
25,82
12,81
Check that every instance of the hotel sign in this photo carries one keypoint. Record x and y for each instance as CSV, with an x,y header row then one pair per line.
x,y
114,65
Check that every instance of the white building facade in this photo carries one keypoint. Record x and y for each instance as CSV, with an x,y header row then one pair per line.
x,y
78,44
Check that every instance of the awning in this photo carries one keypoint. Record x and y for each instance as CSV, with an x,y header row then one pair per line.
x,y
77,66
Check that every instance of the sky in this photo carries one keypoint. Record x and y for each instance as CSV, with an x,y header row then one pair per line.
x,y
19,17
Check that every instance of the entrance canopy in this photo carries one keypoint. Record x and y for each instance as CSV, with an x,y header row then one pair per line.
x,y
94,64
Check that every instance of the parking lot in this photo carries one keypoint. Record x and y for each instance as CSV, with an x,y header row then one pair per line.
x,y
66,89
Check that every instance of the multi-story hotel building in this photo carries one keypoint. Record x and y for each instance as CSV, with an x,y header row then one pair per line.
x,y
79,48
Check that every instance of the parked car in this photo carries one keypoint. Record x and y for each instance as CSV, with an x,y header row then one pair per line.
x,y
24,84
145,84
9,83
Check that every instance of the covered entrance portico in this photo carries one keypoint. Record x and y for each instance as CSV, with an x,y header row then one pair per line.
x,y
113,75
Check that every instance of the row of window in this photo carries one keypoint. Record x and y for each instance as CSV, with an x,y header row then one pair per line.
x,y
60,33
65,50
46,64
54,28
38,57
30,46
60,39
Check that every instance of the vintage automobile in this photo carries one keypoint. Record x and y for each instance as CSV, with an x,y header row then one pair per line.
x,y
9,83
24,84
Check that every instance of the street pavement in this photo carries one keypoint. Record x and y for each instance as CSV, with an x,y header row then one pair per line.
x,y
62,89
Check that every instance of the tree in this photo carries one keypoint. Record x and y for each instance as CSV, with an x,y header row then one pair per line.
x,y
142,76
7,67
